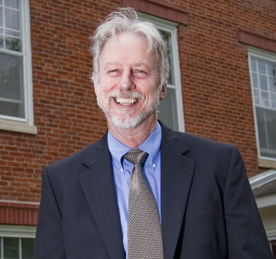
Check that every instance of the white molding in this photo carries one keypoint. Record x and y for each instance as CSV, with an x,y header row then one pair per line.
x,y
17,126
262,53
267,163
271,234
179,101
28,80
21,202
266,201
17,231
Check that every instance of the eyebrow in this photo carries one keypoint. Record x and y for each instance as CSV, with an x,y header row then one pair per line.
x,y
139,64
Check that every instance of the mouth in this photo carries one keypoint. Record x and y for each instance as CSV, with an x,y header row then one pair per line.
x,y
126,101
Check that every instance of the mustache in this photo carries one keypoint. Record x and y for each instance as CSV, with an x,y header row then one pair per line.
x,y
125,94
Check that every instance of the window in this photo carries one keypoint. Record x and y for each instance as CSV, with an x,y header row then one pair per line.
x,y
15,65
171,108
16,242
263,81
14,247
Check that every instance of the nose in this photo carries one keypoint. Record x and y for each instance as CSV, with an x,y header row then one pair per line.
x,y
126,82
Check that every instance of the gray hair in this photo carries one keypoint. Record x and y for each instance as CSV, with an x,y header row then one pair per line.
x,y
126,20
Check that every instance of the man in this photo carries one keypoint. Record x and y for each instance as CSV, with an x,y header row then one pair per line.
x,y
203,200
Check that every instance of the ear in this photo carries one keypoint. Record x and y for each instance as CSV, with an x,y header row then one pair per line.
x,y
163,92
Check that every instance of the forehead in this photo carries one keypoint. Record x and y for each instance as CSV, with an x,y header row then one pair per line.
x,y
126,46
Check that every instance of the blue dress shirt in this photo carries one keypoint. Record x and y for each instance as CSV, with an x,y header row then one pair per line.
x,y
122,170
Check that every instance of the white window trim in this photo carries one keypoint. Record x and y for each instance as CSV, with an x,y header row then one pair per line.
x,y
172,27
12,123
17,231
262,161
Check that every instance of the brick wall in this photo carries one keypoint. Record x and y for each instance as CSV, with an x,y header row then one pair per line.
x,y
213,48
215,74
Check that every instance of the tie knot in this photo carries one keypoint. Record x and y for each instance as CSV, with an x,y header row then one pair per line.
x,y
136,156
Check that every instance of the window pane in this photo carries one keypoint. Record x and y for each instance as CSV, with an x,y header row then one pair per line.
x,y
11,248
263,82
270,68
11,86
261,66
12,109
13,33
1,41
168,110
12,3
257,97
12,20
13,44
265,99
27,248
253,62
272,84
273,101
255,80
266,120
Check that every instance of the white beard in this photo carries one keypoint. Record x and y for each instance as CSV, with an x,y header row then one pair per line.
x,y
124,120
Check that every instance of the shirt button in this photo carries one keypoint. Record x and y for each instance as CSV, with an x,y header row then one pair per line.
x,y
122,170
153,165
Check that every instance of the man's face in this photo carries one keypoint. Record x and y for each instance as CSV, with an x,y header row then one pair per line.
x,y
128,89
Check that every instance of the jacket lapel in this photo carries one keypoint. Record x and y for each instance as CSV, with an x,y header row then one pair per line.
x,y
98,187
176,178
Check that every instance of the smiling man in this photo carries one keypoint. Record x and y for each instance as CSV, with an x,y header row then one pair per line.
x,y
144,191
129,87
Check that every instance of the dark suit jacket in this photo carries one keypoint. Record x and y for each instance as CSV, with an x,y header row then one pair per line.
x,y
208,210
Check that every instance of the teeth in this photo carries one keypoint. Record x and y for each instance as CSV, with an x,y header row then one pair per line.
x,y
124,101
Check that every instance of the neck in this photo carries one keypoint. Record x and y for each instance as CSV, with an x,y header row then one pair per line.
x,y
133,137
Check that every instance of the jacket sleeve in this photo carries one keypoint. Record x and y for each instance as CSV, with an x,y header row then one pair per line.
x,y
49,237
245,232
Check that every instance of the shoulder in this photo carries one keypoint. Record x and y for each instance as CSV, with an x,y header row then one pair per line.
x,y
206,153
195,143
203,143
81,160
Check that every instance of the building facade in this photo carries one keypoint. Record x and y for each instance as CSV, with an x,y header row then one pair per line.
x,y
222,86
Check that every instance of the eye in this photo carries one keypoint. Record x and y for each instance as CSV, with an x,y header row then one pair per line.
x,y
139,72
113,72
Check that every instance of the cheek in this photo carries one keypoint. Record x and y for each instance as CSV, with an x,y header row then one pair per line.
x,y
108,85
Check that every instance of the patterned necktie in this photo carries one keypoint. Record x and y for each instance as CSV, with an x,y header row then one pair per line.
x,y
144,229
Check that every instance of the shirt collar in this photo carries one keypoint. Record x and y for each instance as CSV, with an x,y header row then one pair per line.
x,y
151,145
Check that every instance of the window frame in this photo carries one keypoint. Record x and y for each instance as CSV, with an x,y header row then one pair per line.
x,y
172,28
25,125
254,52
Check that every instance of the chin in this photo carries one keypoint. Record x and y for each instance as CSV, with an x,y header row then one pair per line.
x,y
126,123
